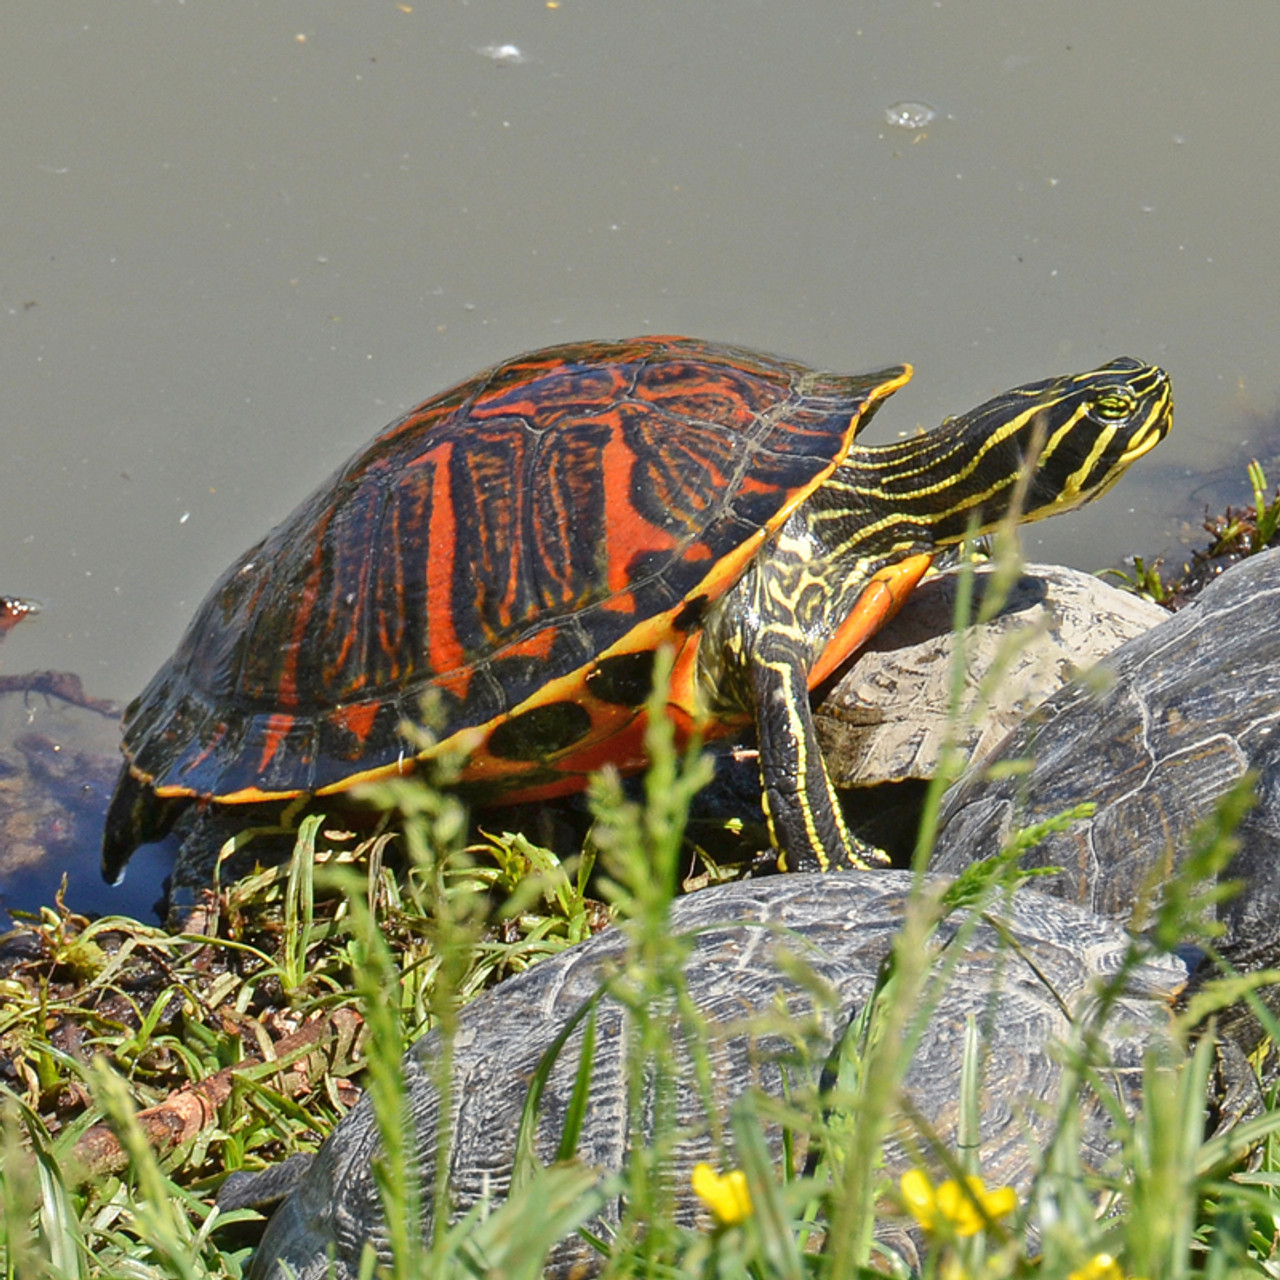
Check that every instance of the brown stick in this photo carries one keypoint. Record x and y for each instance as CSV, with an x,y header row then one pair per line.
x,y
184,1113
59,684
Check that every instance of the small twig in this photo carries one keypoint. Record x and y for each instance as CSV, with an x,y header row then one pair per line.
x,y
59,684
194,1107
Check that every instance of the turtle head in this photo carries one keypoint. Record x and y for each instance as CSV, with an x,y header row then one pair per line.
x,y
1082,431
1039,449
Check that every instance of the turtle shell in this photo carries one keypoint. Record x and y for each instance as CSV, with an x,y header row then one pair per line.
x,y
777,968
1153,737
512,552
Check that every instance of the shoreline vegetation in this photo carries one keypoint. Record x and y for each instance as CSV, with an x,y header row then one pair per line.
x,y
138,1069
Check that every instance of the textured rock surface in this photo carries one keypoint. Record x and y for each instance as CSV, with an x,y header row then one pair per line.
x,y
887,717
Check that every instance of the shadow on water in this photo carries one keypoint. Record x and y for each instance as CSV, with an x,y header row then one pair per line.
x,y
58,764
28,889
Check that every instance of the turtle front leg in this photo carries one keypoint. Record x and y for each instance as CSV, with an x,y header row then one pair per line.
x,y
800,804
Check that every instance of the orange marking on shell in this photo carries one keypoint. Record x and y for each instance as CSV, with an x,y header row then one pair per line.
x,y
753,484
623,748
627,532
624,602
455,682
464,740
278,727
444,649
537,645
484,769
616,733
492,551
357,720
345,666
253,795
567,785
882,597
286,692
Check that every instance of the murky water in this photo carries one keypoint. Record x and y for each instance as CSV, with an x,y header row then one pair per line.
x,y
237,239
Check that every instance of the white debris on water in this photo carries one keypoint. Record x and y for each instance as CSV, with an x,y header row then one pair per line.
x,y
510,55
909,115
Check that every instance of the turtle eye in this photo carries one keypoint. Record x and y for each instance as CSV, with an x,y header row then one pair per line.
x,y
1113,404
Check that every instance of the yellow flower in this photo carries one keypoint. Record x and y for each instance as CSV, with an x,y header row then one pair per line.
x,y
725,1194
1102,1266
950,1210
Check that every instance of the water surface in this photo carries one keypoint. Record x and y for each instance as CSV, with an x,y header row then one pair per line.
x,y
240,238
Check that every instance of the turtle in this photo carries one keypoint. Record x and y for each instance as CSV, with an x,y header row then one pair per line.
x,y
779,968
13,609
1153,738
521,546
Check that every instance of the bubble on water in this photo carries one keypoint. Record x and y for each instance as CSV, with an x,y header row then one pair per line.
x,y
909,115
510,54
